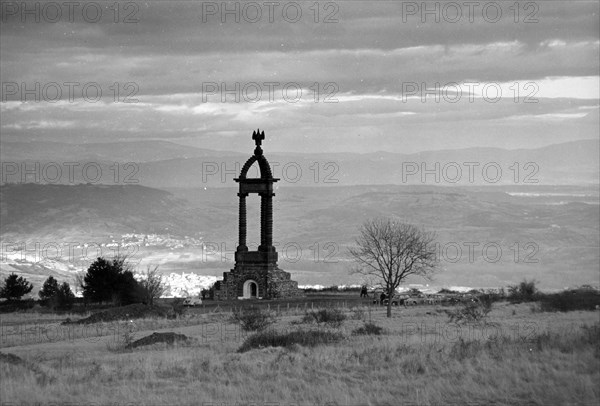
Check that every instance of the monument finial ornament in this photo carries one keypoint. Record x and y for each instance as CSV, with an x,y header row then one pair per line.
x,y
258,137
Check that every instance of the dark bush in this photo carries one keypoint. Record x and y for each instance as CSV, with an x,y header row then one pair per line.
x,y
526,291
332,317
569,301
253,319
369,329
111,280
271,338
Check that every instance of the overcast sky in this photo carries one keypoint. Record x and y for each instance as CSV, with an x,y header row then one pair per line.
x,y
503,82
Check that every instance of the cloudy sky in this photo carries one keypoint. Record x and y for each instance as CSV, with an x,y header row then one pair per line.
x,y
355,76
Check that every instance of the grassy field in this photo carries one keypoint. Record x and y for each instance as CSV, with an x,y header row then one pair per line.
x,y
521,356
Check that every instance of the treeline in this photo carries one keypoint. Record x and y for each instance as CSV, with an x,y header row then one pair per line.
x,y
112,282
106,281
584,297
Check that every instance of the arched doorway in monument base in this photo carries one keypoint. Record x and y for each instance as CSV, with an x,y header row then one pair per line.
x,y
250,290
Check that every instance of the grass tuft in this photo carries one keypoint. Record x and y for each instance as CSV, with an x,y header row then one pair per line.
x,y
253,319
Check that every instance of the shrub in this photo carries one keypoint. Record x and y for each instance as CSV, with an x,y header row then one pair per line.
x,y
569,301
526,291
271,338
253,319
152,286
332,317
111,281
369,329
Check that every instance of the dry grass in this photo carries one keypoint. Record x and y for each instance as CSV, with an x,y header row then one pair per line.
x,y
521,358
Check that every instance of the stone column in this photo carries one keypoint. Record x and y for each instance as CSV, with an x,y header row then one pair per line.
x,y
263,222
269,221
242,223
266,222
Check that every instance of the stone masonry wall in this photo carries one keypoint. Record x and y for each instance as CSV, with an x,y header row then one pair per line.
x,y
272,284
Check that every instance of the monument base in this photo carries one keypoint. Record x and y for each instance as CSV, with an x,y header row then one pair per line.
x,y
253,281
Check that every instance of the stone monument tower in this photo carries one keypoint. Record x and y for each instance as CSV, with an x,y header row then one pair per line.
x,y
256,274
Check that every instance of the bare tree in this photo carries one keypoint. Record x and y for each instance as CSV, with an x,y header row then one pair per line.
x,y
391,251
152,284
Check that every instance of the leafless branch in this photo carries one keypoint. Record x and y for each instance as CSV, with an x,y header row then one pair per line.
x,y
391,251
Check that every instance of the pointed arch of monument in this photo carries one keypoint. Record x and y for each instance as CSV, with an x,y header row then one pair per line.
x,y
262,186
263,165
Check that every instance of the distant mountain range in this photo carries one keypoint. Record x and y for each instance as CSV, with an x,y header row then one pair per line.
x,y
140,151
164,164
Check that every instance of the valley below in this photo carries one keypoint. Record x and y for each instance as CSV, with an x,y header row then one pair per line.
x,y
488,236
